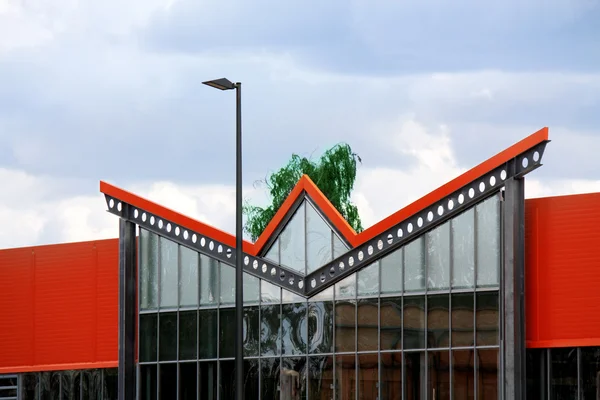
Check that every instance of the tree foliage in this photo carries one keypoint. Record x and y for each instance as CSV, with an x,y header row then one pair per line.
x,y
334,174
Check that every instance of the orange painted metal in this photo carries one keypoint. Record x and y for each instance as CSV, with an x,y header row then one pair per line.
x,y
59,306
563,271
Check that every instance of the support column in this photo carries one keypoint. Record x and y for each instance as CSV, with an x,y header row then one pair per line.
x,y
127,309
513,290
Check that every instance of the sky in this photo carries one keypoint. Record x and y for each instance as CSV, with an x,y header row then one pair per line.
x,y
421,89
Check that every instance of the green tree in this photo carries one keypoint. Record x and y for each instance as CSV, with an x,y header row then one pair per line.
x,y
334,174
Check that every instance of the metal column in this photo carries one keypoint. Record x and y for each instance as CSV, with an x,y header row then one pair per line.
x,y
127,309
513,290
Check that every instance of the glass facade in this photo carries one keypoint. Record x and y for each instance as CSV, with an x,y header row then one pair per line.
x,y
422,322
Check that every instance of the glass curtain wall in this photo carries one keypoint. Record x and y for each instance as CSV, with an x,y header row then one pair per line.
x,y
421,323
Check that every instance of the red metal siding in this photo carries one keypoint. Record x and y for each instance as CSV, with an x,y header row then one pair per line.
x,y
59,306
563,271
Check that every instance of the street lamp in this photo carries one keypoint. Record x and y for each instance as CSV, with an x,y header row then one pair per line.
x,y
226,84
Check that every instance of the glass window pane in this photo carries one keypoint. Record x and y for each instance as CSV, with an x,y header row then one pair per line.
x,y
269,378
488,242
438,377
463,374
227,290
318,240
290,297
536,374
273,253
227,388
148,383
391,273
391,323
367,317
167,336
270,330
463,308
91,385
463,250
111,384
227,332
292,241
320,377
148,337
438,257
168,273
207,380
563,383
251,379
148,270
438,321
67,387
414,322
487,318
294,328
391,376
320,327
251,331
590,373
269,293
346,288
368,376
414,274
251,289
339,248
188,277
487,374
345,377
188,381
209,280
414,375
188,329
368,280
345,325
207,321
293,378
30,389
168,381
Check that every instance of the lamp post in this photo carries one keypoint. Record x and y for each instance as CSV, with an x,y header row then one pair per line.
x,y
225,84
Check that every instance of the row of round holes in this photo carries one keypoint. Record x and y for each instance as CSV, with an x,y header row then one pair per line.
x,y
535,157
409,226
273,272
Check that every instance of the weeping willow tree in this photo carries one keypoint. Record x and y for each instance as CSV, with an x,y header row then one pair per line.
x,y
334,174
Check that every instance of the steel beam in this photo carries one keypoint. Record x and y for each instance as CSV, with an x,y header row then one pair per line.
x,y
127,308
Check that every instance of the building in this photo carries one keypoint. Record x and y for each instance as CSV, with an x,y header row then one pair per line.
x,y
471,292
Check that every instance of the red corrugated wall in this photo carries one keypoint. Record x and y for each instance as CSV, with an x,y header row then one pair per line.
x,y
59,306
563,271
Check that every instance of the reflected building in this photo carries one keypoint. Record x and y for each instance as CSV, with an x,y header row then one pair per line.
x,y
427,304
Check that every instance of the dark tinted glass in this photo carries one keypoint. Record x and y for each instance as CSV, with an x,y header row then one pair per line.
x,y
414,322
414,374
590,373
188,381
438,321
227,383
536,374
367,317
55,385
270,330
251,379
168,381
463,374
168,336
391,376
345,326
320,377
368,376
188,335
111,384
293,378
345,377
487,374
29,389
207,321
91,384
391,323
148,382
147,334
438,379
270,378
563,383
320,327
487,319
227,333
251,331
462,319
67,385
207,380
293,328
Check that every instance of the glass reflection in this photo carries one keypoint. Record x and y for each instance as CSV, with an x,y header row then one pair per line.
x,y
487,374
188,328
368,376
488,242
270,330
438,257
148,385
111,384
414,322
345,326
291,242
339,248
207,380
488,318
438,321
463,250
415,371
188,381
414,266
269,378
590,373
30,389
273,253
391,323
147,337
463,308
251,289
251,375
294,328
320,378
188,277
67,386
227,285
368,280
91,384
251,331
292,381
345,377
391,272
169,254
391,376
167,336
148,270
318,240
463,374
563,382
320,327
209,280
207,334
346,288
367,327
438,377
269,293
227,332
168,381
